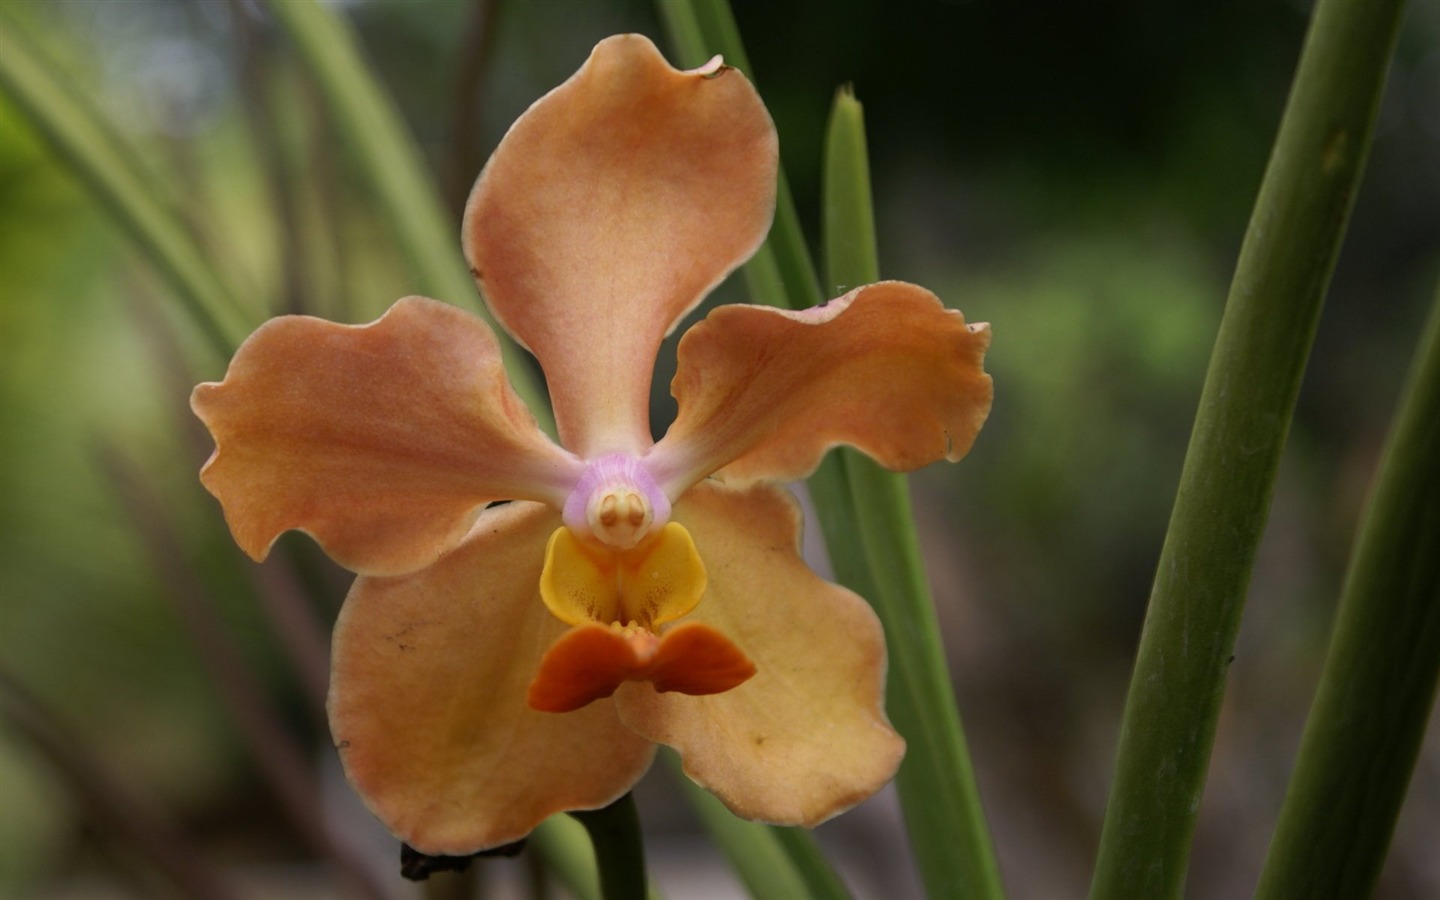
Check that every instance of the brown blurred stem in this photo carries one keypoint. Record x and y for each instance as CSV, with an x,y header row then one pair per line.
x,y
295,625
469,83
115,812
256,63
281,760
292,617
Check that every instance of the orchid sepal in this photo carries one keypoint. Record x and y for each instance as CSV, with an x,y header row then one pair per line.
x,y
763,393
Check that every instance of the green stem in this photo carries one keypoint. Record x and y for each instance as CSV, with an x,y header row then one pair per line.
x,y
619,852
870,530
393,166
874,551
1245,410
1379,683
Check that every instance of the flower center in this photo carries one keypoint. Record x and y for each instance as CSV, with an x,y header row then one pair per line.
x,y
616,572
619,516
616,502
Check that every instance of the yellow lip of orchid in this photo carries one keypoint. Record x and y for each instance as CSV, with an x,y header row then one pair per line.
x,y
649,585
495,664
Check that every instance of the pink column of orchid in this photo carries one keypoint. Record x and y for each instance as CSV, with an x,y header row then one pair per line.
x,y
496,664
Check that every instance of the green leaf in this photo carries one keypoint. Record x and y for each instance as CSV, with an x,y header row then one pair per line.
x,y
1245,410
851,250
870,530
1379,683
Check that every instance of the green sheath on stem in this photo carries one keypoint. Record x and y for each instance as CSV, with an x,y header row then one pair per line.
x,y
619,853
565,848
1378,687
1245,410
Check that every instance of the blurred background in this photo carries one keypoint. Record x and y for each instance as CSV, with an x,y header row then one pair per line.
x,y
1079,175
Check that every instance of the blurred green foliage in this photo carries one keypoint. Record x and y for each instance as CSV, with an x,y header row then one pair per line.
x,y
1079,175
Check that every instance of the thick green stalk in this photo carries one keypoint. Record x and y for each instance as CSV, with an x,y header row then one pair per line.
x,y
1379,683
392,164
619,852
112,172
870,530
1245,410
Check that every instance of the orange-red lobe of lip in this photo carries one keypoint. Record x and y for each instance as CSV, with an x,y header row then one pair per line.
x,y
694,658
590,661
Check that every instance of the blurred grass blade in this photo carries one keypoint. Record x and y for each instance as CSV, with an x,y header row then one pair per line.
x,y
781,273
376,135
81,136
870,530
1259,357
114,812
1379,684
773,863
280,758
394,168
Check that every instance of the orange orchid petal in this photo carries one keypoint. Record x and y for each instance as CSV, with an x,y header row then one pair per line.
x,y
764,392
608,211
807,737
428,698
591,660
382,441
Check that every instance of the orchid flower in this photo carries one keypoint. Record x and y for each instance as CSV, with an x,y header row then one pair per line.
x,y
495,663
